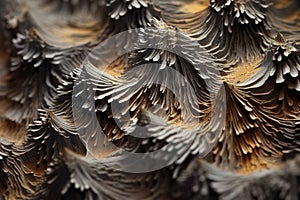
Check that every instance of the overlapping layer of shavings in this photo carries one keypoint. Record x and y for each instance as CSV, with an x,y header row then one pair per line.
x,y
245,144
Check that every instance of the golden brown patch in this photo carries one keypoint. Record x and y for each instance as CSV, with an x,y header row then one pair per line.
x,y
62,30
282,3
255,162
243,71
291,14
117,67
195,6
12,131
